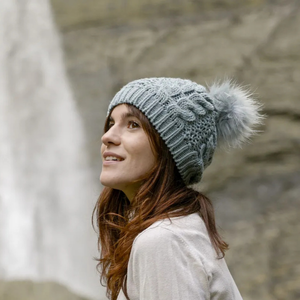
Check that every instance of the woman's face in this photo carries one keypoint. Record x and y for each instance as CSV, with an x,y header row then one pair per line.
x,y
126,152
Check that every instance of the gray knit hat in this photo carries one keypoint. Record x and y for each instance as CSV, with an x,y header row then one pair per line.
x,y
191,120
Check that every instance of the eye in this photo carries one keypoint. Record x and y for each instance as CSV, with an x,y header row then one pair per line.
x,y
132,125
110,125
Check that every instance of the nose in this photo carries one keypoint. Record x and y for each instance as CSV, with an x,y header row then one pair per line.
x,y
111,137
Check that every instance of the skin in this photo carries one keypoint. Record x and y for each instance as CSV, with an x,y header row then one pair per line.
x,y
126,139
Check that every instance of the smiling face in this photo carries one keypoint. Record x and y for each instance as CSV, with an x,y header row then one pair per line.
x,y
126,152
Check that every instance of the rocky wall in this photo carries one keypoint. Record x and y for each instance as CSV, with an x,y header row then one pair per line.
x,y
72,14
255,190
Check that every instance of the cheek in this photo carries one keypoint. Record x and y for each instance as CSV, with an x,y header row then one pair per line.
x,y
143,156
150,158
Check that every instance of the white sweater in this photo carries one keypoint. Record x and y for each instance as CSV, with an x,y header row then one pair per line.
x,y
176,261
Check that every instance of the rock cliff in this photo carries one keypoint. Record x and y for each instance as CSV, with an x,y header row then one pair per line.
x,y
255,190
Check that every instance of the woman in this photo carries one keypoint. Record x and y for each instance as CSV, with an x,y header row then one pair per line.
x,y
157,235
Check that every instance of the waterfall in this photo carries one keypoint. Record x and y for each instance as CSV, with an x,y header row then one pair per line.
x,y
46,189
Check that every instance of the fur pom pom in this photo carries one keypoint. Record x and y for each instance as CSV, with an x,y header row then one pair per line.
x,y
238,113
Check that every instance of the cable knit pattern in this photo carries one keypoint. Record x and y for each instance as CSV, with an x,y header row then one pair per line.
x,y
184,116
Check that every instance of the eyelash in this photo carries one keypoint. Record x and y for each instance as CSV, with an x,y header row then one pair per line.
x,y
110,125
133,123
129,124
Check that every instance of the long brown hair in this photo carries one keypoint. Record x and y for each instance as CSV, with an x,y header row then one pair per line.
x,y
162,195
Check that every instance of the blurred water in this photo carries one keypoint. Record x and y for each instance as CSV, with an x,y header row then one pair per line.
x,y
46,189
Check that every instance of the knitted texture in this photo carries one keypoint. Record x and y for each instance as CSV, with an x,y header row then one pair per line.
x,y
188,118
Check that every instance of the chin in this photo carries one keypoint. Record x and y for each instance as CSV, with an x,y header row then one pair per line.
x,y
106,182
110,182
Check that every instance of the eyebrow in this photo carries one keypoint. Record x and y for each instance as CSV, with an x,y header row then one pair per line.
x,y
124,116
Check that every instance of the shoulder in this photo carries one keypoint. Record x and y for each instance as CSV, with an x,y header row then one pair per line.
x,y
186,232
174,244
164,264
157,236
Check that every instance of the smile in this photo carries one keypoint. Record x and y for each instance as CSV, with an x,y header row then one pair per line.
x,y
112,158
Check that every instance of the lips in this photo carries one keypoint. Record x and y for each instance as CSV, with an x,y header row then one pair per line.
x,y
111,156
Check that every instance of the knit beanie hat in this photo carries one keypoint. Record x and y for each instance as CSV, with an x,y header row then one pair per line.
x,y
192,120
